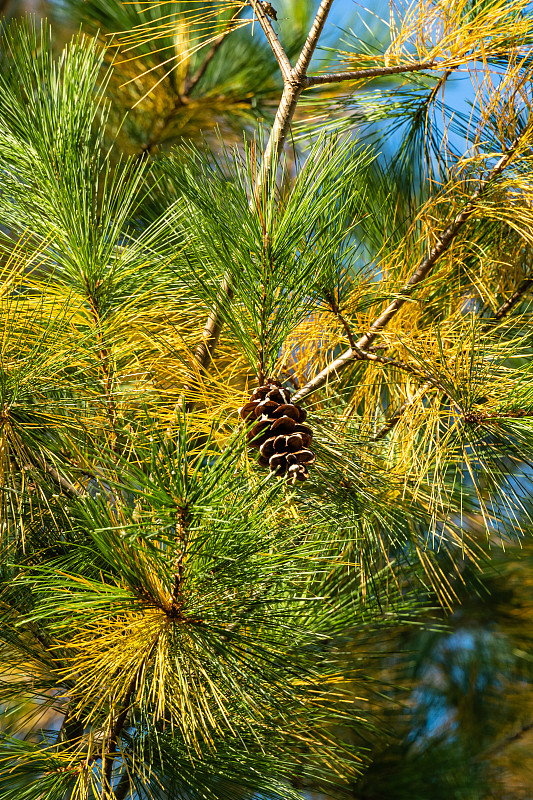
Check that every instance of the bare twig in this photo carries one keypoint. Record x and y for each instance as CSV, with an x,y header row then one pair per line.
x,y
211,332
334,306
502,311
182,99
63,482
398,414
294,85
311,42
257,599
182,535
362,74
365,355
514,299
272,39
370,355
105,361
422,271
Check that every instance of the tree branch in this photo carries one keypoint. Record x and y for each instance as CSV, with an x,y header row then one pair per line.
x,y
398,414
63,482
182,533
191,82
311,42
514,299
274,42
123,786
108,757
182,98
293,85
344,322
422,271
211,332
257,599
502,311
365,355
361,74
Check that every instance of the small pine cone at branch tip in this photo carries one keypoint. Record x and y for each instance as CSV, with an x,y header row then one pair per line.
x,y
277,431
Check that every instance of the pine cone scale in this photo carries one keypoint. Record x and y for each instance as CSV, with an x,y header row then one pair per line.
x,y
278,433
283,425
292,411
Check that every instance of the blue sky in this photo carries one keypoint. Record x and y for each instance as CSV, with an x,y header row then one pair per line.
x,y
345,14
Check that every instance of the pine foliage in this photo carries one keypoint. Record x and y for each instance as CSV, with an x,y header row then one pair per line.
x,y
176,620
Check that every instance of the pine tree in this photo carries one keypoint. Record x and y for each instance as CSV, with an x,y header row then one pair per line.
x,y
266,400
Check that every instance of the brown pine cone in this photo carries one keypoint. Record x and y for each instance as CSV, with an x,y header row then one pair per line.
x,y
278,432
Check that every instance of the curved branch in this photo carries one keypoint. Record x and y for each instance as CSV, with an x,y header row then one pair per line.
x,y
190,82
422,271
108,757
398,414
514,737
109,753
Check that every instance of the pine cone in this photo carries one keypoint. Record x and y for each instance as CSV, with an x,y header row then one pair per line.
x,y
278,432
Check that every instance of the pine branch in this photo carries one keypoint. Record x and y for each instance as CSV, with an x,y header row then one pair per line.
x,y
293,85
257,599
105,360
63,482
438,86
159,129
311,43
365,355
514,299
108,757
502,311
514,737
109,754
182,533
182,98
123,786
211,332
191,82
372,72
333,304
272,39
398,414
71,729
423,270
